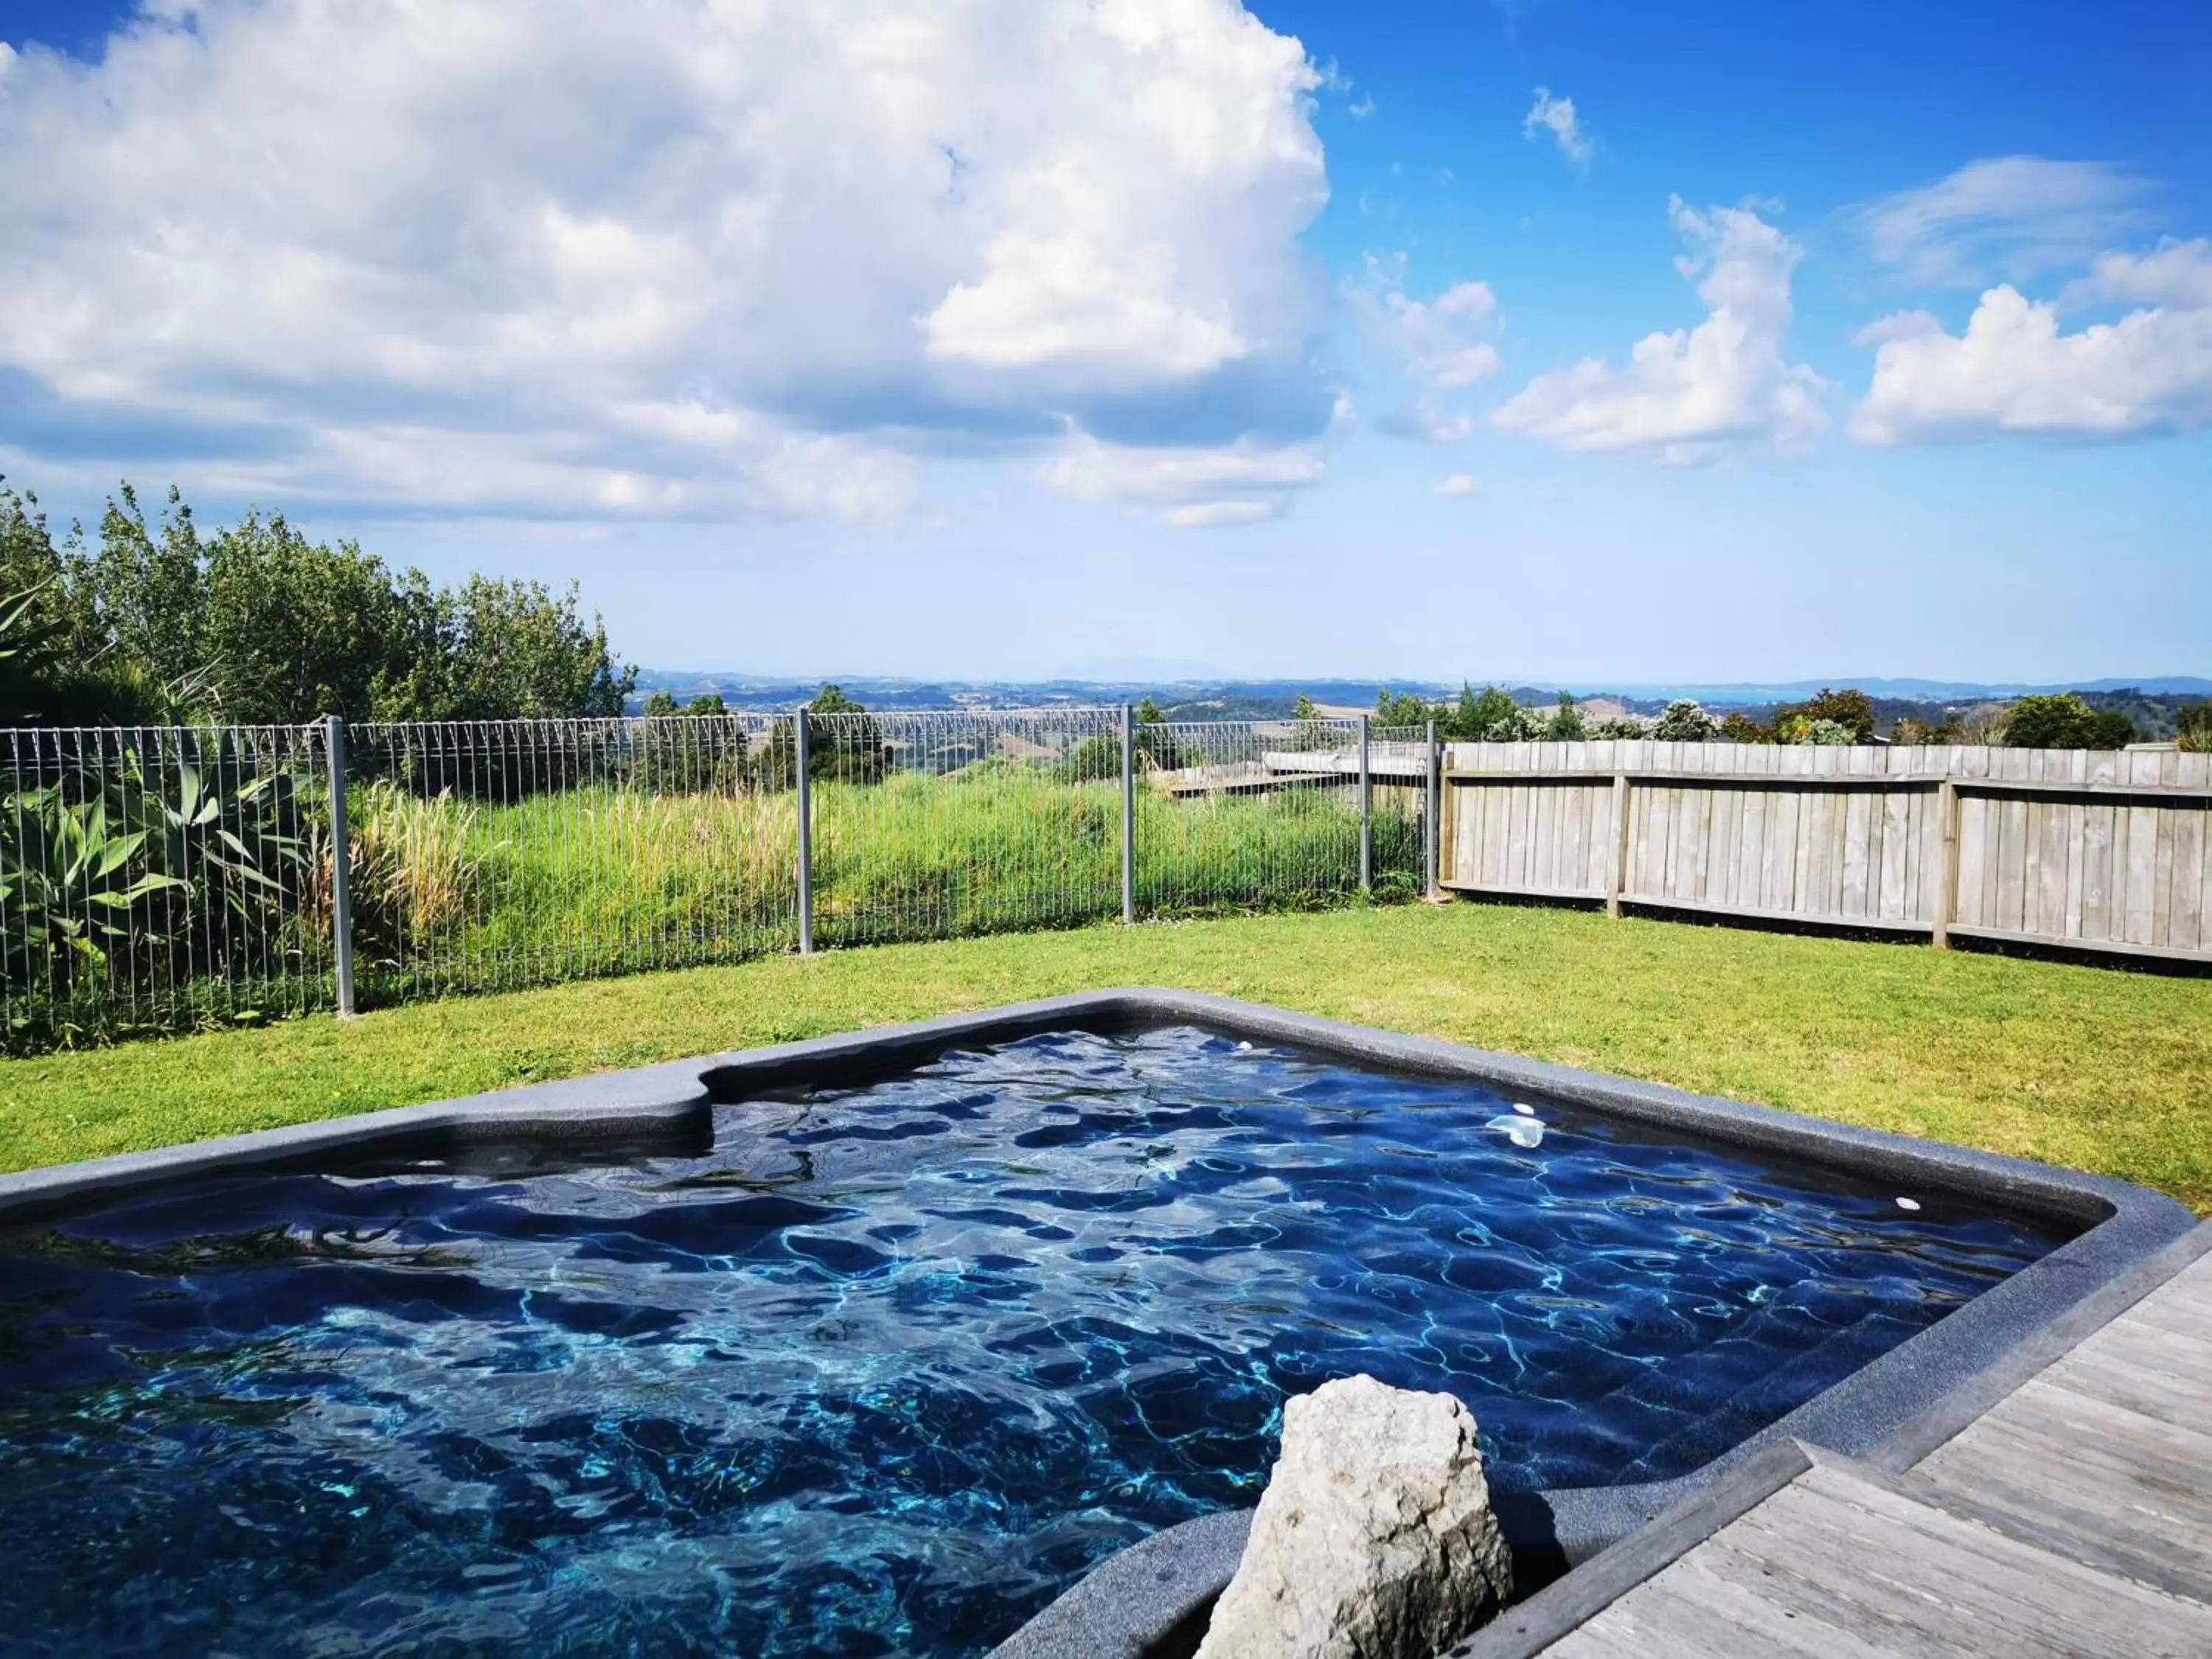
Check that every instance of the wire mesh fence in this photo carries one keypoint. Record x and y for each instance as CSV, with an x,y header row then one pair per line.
x,y
159,879
1239,815
935,825
490,855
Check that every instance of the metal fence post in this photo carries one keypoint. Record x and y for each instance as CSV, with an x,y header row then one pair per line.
x,y
1128,813
334,752
806,803
1433,838
1366,814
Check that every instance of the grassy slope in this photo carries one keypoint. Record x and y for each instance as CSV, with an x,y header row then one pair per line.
x,y
2103,1071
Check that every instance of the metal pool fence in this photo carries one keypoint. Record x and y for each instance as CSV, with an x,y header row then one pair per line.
x,y
161,879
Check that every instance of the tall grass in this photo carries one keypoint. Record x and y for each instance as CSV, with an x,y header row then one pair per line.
x,y
451,895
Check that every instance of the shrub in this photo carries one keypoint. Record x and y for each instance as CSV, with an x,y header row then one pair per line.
x,y
2194,733
1685,722
1736,727
1850,708
1567,724
2065,721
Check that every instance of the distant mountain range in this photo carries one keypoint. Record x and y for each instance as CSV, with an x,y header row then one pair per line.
x,y
1266,695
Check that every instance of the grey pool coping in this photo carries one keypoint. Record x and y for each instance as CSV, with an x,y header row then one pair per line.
x,y
1145,1598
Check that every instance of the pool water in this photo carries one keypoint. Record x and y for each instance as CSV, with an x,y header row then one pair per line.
x,y
882,1370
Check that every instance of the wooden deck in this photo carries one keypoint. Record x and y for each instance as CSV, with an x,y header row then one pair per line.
x,y
2074,1517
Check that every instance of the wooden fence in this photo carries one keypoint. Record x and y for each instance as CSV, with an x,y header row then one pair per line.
x,y
2092,850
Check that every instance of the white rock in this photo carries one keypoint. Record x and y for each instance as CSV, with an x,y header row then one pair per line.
x,y
1374,1539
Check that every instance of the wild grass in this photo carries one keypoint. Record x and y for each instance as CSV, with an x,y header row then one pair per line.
x,y
452,894
2083,1066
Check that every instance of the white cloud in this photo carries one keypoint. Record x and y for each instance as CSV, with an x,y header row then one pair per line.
x,y
1460,483
682,256
1424,422
1557,117
2014,371
2172,274
1442,343
2011,215
1242,482
1688,395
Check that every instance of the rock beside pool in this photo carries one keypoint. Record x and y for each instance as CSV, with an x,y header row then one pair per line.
x,y
1375,1538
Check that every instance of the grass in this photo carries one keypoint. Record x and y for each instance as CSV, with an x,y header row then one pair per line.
x,y
600,879
2079,1066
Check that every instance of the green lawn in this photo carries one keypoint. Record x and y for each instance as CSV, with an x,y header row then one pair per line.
x,y
2101,1069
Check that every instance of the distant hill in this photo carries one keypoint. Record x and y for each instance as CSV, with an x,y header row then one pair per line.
x,y
1260,698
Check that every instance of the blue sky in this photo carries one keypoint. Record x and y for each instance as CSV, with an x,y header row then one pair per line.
x,y
1046,339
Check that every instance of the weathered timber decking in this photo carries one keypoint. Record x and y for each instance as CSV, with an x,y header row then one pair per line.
x,y
2074,1517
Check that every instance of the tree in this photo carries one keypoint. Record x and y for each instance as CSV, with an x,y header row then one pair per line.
x,y
1157,745
1736,727
1567,724
1400,709
660,705
844,750
1304,710
288,628
1492,716
2065,721
2193,731
1684,721
520,652
1850,708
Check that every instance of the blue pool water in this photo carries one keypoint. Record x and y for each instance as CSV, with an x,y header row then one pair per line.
x,y
884,1369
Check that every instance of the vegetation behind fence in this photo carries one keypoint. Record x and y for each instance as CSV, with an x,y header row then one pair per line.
x,y
155,879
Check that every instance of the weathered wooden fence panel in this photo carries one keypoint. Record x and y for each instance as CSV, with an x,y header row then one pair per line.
x,y
2103,850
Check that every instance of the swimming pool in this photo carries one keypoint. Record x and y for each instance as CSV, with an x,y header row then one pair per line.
x,y
882,1365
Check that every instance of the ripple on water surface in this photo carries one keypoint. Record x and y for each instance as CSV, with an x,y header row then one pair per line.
x,y
885,1369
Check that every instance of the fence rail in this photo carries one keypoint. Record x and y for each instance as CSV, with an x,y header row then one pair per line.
x,y
2100,850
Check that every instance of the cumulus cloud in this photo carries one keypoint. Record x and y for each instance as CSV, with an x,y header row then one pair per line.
x,y
1243,482
2177,274
1442,345
1557,117
679,256
2014,369
1460,483
1689,395
2010,216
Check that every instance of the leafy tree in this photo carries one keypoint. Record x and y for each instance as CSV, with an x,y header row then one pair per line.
x,y
850,751
1400,709
660,705
1684,721
2065,721
287,628
1491,716
516,650
1850,708
1095,758
1156,746
258,624
1736,727
1305,709
1567,724
2194,728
